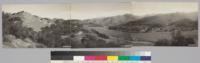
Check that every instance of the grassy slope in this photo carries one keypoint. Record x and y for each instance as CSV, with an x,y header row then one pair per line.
x,y
154,36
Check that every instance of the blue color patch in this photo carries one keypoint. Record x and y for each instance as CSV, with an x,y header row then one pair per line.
x,y
135,58
146,58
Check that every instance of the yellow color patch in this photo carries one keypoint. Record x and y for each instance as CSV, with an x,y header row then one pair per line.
x,y
112,58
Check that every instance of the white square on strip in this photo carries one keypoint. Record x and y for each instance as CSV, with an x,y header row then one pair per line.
x,y
147,53
78,58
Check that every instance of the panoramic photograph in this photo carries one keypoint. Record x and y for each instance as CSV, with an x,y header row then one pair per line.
x,y
100,25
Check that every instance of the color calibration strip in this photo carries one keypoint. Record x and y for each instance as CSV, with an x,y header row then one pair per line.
x,y
112,58
101,56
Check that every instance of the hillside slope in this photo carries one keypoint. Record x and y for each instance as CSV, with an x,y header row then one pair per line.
x,y
161,22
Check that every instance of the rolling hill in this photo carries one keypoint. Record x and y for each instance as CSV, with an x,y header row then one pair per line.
x,y
161,22
111,21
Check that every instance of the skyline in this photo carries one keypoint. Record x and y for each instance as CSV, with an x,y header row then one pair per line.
x,y
42,10
152,8
98,10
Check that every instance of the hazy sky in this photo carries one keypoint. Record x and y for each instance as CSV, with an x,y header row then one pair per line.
x,y
149,8
42,10
95,10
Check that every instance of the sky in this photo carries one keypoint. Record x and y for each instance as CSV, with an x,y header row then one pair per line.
x,y
151,8
96,10
42,10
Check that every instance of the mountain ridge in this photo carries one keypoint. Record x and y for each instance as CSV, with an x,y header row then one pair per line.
x,y
112,20
160,21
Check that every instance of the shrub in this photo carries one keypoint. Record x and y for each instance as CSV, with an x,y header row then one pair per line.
x,y
163,42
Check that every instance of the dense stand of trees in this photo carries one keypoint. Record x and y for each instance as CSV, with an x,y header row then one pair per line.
x,y
177,40
52,35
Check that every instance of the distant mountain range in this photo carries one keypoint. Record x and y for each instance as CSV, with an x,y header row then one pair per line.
x,y
161,22
111,21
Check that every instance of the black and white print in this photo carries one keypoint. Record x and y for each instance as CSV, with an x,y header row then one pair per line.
x,y
100,25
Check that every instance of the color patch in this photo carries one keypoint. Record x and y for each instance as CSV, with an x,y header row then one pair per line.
x,y
147,53
145,58
135,58
101,57
90,58
78,58
123,58
112,58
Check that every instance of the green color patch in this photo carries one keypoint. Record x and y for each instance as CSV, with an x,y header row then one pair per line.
x,y
123,57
